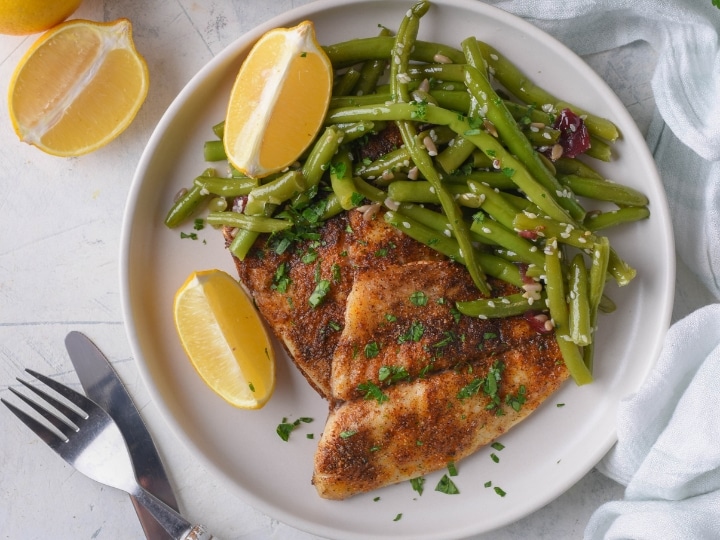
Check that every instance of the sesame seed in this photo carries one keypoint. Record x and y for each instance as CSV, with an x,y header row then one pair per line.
x,y
494,57
486,230
406,224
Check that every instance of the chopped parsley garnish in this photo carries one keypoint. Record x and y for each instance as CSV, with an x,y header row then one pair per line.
x,y
447,340
310,436
494,457
372,391
392,374
418,298
390,317
452,469
336,273
372,349
420,111
382,252
398,517
508,171
497,446
251,386
310,256
447,486
489,385
199,224
499,491
418,484
285,428
318,295
413,334
191,236
348,433
334,326
518,400
281,279
338,169
356,199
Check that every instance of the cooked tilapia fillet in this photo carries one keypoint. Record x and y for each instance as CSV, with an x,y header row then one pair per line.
x,y
311,334
385,287
423,424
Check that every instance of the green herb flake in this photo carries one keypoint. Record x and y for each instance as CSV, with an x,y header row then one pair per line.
x,y
332,325
413,334
376,499
372,349
452,469
418,298
488,484
390,317
338,169
447,486
348,433
281,279
495,458
191,236
392,374
418,484
251,386
562,404
499,491
398,517
285,428
356,199
508,171
199,224
310,436
372,391
498,446
382,252
318,295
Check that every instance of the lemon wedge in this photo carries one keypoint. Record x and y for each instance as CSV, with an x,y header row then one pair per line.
x,y
225,339
278,102
20,17
78,87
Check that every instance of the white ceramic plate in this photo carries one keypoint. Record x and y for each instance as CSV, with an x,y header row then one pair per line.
x,y
542,457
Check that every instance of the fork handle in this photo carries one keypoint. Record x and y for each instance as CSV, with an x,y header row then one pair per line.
x,y
170,520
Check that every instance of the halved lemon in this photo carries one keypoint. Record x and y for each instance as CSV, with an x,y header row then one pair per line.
x,y
19,17
78,87
278,102
225,339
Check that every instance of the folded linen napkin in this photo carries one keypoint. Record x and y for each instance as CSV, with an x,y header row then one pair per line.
x,y
668,450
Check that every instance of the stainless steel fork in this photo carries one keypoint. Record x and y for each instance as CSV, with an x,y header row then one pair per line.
x,y
89,440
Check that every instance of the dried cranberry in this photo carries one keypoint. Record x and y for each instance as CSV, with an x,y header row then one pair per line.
x,y
574,135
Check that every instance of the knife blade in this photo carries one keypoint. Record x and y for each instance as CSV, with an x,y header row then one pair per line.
x,y
103,385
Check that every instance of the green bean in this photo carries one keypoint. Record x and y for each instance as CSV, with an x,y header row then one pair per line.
x,y
579,306
566,166
512,136
394,160
453,156
259,224
619,269
359,50
526,90
443,72
494,204
495,308
491,179
341,181
332,207
214,151
345,84
369,191
489,229
188,203
226,187
596,288
322,152
219,129
339,102
242,243
357,130
275,192
418,191
599,149
555,290
454,100
539,137
545,227
485,142
603,220
604,190
404,44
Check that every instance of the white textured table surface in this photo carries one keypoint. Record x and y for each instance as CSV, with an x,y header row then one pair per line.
x,y
60,221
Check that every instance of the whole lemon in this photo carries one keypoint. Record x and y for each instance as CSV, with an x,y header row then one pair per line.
x,y
19,17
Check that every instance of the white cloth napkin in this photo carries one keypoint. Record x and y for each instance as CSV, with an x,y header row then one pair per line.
x,y
668,450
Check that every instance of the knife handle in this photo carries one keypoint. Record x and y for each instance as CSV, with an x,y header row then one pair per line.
x,y
199,532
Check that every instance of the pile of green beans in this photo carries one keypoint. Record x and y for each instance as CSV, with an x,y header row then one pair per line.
x,y
471,179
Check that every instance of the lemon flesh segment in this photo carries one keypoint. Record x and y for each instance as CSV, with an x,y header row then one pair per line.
x,y
78,87
225,339
278,102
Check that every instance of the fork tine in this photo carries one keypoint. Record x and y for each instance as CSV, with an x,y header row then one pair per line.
x,y
71,414
62,425
71,395
50,437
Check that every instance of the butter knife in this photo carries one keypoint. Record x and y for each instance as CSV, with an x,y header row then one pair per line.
x,y
102,384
